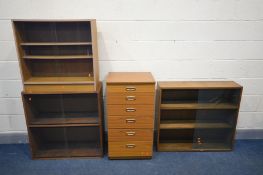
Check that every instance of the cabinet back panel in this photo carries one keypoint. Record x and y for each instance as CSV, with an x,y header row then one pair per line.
x,y
201,96
199,115
54,31
60,68
214,135
61,137
57,50
191,135
176,135
62,106
68,31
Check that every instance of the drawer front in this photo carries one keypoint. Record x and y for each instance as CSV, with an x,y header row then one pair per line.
x,y
130,149
131,88
134,98
130,110
130,122
130,135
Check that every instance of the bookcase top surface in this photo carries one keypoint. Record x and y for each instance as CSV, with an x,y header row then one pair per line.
x,y
130,77
199,85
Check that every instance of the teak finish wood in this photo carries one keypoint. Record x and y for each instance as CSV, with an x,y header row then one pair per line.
x,y
191,124
130,109
130,149
130,122
129,99
208,124
130,78
130,135
198,85
67,88
131,89
198,106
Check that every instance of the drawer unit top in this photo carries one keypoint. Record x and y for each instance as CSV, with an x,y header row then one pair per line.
x,y
130,78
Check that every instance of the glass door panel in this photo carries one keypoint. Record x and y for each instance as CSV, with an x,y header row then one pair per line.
x,y
215,122
49,142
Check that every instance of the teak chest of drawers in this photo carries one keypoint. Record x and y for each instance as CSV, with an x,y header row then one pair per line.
x,y
130,112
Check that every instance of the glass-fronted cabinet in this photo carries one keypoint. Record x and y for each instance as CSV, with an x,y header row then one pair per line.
x,y
78,108
64,125
198,117
65,141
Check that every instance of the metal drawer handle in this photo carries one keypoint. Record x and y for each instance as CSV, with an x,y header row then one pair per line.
x,y
130,98
130,109
130,145
199,141
130,88
130,120
130,133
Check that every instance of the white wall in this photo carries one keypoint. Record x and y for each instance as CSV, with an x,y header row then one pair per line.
x,y
174,39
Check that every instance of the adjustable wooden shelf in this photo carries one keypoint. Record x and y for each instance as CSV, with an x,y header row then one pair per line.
x,y
57,56
62,94
197,116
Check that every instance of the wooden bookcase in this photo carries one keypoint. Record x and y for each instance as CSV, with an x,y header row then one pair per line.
x,y
197,116
53,54
62,95
64,125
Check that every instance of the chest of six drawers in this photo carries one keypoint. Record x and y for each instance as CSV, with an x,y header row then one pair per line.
x,y
130,116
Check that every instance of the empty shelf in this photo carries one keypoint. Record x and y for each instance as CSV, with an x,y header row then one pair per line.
x,y
175,147
90,121
59,80
199,106
65,150
191,124
193,147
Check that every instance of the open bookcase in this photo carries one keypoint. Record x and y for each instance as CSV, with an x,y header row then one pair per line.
x,y
57,56
197,116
